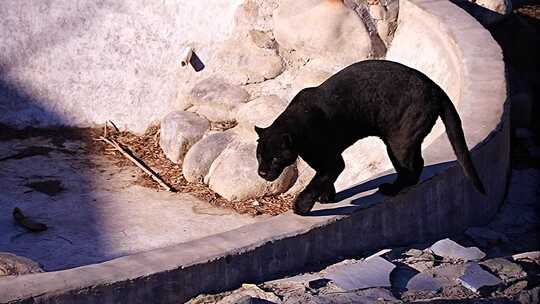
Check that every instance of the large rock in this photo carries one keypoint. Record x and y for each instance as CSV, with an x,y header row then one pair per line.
x,y
449,249
243,62
502,7
11,264
308,77
233,174
364,159
305,175
179,131
260,112
322,28
255,15
216,99
373,272
487,12
475,278
200,157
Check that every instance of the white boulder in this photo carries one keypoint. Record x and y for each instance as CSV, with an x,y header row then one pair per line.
x,y
364,159
179,131
260,112
308,77
322,28
305,175
200,157
502,7
242,62
233,175
216,99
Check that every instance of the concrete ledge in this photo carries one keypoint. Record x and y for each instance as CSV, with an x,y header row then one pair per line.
x,y
442,204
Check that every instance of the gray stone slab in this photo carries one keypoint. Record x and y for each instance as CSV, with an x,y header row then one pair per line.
x,y
476,278
401,276
447,274
374,272
303,278
367,296
450,249
423,282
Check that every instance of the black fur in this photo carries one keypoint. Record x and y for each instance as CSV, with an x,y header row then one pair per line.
x,y
369,98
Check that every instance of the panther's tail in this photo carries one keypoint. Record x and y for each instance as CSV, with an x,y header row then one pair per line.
x,y
454,131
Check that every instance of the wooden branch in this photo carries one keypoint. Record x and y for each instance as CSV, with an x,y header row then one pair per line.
x,y
113,125
139,164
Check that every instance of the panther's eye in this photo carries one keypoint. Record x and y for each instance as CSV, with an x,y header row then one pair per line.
x,y
275,160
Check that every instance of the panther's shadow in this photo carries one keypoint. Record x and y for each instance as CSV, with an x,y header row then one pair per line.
x,y
371,198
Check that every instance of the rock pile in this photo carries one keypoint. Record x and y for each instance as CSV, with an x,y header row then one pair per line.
x,y
446,270
277,48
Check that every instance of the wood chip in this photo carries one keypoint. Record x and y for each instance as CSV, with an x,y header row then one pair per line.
x,y
27,222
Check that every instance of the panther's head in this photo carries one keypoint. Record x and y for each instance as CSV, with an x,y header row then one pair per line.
x,y
274,152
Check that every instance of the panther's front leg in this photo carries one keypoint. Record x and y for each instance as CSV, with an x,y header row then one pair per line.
x,y
321,187
328,196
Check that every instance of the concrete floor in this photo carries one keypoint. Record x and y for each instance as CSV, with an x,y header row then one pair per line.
x,y
93,209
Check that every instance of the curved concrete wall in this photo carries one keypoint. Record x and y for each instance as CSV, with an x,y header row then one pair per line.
x,y
442,204
81,63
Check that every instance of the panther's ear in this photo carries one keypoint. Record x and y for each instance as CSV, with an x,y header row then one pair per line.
x,y
259,130
287,141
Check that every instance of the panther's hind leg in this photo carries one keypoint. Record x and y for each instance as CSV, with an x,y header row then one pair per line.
x,y
408,162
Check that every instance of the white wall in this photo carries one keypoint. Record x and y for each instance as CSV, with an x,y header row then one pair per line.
x,y
84,62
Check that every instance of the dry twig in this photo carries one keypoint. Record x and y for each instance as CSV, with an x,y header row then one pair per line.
x,y
138,163
26,222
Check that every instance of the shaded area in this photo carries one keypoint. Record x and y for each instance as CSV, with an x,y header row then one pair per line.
x,y
59,176
28,152
93,208
371,188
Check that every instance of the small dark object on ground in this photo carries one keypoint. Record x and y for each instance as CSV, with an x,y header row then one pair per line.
x,y
26,222
49,187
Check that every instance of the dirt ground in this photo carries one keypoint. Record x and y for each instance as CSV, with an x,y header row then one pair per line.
x,y
93,208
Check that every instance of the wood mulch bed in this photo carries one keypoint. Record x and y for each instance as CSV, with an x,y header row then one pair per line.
x,y
146,148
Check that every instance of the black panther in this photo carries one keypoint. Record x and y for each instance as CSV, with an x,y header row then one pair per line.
x,y
370,98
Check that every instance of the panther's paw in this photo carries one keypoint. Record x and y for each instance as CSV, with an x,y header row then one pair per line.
x,y
327,198
389,189
303,205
